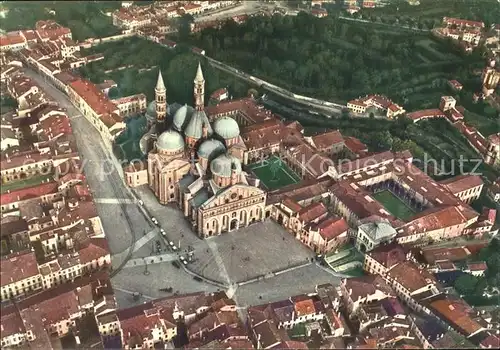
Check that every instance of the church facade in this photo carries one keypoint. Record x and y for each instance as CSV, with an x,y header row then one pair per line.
x,y
197,164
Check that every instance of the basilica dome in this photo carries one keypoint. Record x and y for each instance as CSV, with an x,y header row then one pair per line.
x,y
224,165
181,116
151,111
210,148
170,140
194,129
227,128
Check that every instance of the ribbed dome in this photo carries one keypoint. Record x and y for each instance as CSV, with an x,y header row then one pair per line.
x,y
170,140
210,148
227,128
180,117
194,128
151,111
224,165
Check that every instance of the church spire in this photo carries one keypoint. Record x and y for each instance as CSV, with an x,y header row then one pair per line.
x,y
159,84
199,89
161,99
199,75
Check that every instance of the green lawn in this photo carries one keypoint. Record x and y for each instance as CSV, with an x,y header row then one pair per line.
x,y
274,173
394,205
29,182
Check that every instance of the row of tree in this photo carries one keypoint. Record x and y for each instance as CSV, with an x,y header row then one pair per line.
x,y
325,57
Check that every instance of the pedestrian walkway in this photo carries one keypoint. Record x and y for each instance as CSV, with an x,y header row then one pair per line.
x,y
150,260
114,201
141,242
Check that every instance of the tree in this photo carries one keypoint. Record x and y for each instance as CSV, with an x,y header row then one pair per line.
x,y
185,25
466,284
113,93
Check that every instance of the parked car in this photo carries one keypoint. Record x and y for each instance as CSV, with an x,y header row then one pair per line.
x,y
183,260
172,245
154,221
163,233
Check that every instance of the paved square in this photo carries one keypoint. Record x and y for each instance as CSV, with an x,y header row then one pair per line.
x,y
394,205
274,173
298,281
251,252
161,275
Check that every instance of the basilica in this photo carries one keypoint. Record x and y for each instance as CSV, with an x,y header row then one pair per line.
x,y
197,163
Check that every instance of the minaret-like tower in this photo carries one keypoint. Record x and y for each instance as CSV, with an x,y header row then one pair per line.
x,y
161,99
199,89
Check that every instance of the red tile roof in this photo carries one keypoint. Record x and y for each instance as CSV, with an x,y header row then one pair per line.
x,y
304,307
327,139
312,212
332,228
292,204
94,97
17,267
11,322
388,255
95,249
457,315
410,276
11,39
362,287
426,113
29,193
355,145
462,183
478,266
463,22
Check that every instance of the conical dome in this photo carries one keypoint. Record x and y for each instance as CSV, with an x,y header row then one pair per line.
x,y
210,148
224,165
194,128
170,140
227,128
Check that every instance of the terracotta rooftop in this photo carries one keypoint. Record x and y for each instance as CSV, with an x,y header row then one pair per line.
x,y
355,145
93,250
410,276
18,267
291,204
331,228
312,212
456,315
361,287
388,255
94,97
300,191
37,191
462,183
327,139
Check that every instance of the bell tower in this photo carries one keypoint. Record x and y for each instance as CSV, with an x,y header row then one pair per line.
x,y
199,89
161,99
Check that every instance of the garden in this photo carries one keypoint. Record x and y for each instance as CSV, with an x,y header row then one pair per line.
x,y
482,290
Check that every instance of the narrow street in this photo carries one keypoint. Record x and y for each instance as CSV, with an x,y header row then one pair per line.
x,y
121,218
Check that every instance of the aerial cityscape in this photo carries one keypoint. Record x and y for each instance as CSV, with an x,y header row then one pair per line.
x,y
317,174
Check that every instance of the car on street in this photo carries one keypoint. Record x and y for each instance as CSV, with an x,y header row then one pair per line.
x,y
154,221
163,233
172,246
183,260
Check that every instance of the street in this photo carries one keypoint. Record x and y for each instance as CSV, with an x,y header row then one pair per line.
x,y
245,8
121,221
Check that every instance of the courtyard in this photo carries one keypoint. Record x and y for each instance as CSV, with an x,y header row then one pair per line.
x,y
274,173
394,205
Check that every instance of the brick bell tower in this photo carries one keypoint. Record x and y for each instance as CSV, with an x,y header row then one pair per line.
x,y
199,89
161,100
